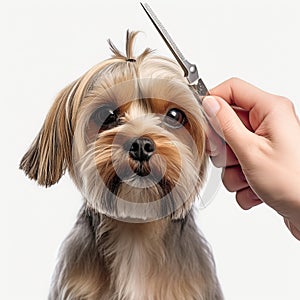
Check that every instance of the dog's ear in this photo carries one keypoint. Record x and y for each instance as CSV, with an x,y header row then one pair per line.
x,y
51,151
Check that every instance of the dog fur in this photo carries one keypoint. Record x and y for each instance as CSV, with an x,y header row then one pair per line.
x,y
117,249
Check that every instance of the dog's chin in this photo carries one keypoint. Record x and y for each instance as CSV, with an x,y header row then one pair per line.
x,y
136,198
140,187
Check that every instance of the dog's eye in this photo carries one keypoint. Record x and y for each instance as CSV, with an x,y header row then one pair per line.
x,y
175,118
105,116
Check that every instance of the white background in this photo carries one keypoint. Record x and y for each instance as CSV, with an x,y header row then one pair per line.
x,y
47,44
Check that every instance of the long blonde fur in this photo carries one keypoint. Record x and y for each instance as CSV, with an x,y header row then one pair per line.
x,y
104,258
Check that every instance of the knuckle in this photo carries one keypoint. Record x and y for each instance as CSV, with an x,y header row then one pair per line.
x,y
288,103
283,105
233,81
285,101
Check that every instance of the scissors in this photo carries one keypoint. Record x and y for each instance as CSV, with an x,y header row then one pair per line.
x,y
190,70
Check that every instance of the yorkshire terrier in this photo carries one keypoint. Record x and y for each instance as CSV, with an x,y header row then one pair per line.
x,y
131,134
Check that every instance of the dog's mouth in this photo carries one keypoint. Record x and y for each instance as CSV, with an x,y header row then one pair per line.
x,y
140,188
140,177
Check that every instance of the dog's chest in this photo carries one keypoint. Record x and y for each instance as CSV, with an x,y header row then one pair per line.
x,y
145,267
138,264
134,267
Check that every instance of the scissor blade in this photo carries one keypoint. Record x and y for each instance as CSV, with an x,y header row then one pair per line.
x,y
190,70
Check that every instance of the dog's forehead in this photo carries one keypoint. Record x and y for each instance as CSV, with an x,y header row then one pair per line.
x,y
154,77
154,93
138,108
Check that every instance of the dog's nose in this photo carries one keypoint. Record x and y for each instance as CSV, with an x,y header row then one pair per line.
x,y
141,149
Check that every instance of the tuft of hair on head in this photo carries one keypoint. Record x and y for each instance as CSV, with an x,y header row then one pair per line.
x,y
129,56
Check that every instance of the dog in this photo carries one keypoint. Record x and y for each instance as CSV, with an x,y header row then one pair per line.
x,y
131,134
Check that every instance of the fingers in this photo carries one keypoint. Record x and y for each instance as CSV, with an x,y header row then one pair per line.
x,y
220,153
227,123
224,157
235,113
257,102
234,179
242,94
247,199
214,144
244,117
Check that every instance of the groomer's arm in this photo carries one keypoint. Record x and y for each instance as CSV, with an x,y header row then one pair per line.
x,y
262,133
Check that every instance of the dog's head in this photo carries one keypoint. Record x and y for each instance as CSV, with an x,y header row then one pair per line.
x,y
131,134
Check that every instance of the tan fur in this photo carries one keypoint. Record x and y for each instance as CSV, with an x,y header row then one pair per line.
x,y
135,237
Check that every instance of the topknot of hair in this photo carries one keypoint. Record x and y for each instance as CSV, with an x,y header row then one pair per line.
x,y
129,56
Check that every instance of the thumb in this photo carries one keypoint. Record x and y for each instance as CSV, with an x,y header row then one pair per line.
x,y
226,123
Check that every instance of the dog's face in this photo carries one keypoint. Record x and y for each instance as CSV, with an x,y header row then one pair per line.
x,y
131,134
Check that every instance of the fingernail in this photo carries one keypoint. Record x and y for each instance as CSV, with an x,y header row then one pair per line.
x,y
210,106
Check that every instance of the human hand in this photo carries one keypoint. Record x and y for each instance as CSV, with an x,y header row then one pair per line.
x,y
262,159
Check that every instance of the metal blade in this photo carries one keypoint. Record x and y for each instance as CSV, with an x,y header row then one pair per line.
x,y
190,70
